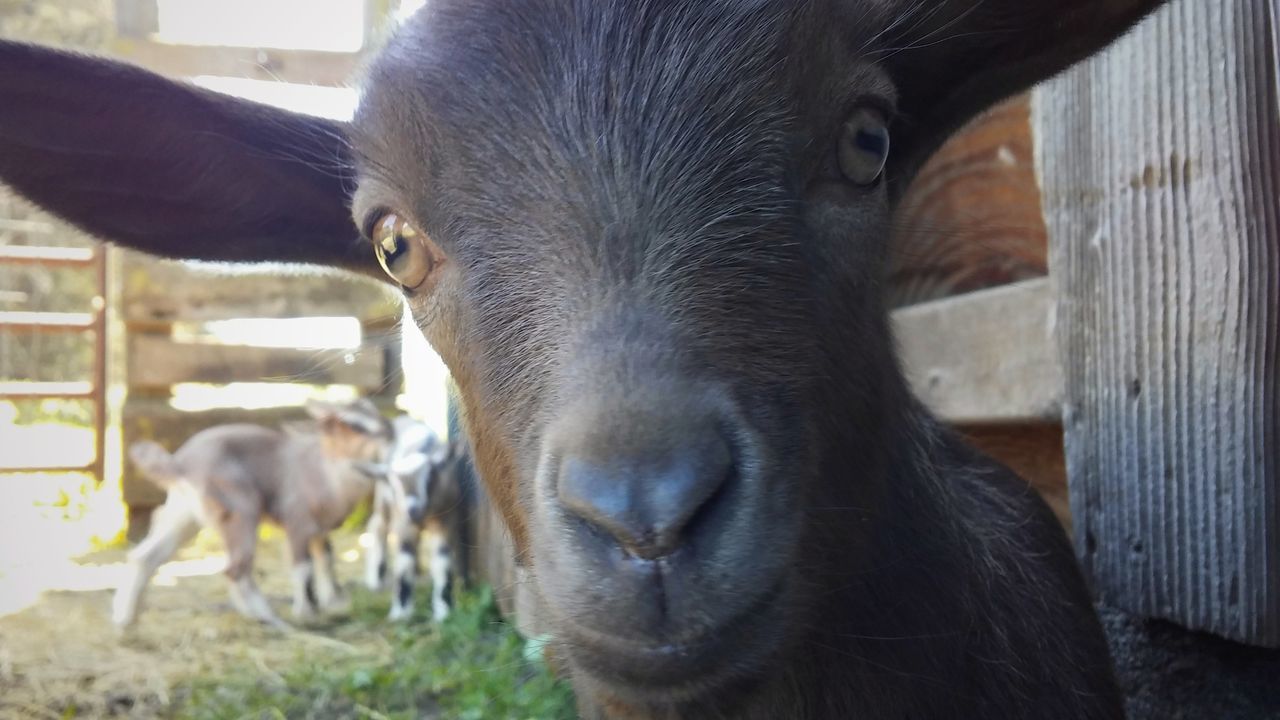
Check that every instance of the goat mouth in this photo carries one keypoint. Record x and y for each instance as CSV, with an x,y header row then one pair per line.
x,y
680,668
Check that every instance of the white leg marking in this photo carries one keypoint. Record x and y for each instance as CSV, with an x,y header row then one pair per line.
x,y
251,602
401,586
175,523
440,563
375,569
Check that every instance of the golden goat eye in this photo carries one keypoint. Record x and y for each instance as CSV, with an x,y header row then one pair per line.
x,y
404,252
864,147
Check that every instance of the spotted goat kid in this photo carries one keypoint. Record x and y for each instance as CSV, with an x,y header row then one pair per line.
x,y
419,497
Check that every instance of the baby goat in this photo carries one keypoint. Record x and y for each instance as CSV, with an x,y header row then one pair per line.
x,y
421,495
231,477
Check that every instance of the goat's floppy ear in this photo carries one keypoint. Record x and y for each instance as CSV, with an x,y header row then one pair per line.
x,y
409,465
371,470
172,169
951,59
324,413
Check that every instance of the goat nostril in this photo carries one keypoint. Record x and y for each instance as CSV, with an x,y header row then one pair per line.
x,y
647,504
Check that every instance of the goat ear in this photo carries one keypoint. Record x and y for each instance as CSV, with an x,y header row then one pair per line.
x,y
408,465
371,470
951,59
321,411
172,169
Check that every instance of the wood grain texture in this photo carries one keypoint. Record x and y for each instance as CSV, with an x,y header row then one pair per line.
x,y
163,291
1160,166
971,218
983,357
307,67
1032,450
158,362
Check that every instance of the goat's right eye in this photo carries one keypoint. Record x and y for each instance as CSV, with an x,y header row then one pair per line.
x,y
404,252
864,147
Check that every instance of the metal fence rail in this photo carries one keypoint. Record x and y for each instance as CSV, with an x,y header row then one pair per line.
x,y
94,322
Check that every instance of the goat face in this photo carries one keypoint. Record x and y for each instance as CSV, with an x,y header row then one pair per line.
x,y
646,237
354,432
631,293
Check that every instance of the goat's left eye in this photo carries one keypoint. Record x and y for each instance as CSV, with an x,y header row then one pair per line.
x,y
864,147
404,252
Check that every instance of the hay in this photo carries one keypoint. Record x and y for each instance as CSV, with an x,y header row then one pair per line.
x,y
62,657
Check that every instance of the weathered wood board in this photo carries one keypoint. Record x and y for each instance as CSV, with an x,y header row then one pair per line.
x,y
156,362
162,291
984,357
971,218
1160,169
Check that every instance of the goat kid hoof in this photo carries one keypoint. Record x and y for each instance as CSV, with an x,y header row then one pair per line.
x,y
399,614
124,630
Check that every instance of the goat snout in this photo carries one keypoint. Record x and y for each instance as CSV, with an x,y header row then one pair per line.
x,y
645,499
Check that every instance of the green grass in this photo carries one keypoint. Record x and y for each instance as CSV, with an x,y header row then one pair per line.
x,y
471,667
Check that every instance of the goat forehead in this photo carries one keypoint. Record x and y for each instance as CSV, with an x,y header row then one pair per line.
x,y
669,112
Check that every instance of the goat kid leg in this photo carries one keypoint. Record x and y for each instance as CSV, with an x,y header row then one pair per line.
x,y
404,574
176,522
251,603
440,557
240,535
329,593
375,559
304,580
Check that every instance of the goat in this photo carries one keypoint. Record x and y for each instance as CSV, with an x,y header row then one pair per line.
x,y
232,477
649,239
419,494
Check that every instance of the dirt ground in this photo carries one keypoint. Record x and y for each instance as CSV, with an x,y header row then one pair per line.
x,y
61,657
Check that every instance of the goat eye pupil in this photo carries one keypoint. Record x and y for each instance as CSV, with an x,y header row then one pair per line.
x,y
392,247
864,147
402,251
874,141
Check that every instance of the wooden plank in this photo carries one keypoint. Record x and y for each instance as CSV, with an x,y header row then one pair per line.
x,y
971,218
1161,187
79,390
158,362
21,320
161,291
310,67
1034,451
984,357
27,226
52,469
137,18
48,256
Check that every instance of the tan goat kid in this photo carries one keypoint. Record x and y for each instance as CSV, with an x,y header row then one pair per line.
x,y
232,477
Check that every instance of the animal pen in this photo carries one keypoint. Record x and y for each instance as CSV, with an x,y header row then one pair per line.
x,y
1086,284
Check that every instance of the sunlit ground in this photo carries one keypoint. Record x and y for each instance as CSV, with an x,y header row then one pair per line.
x,y
46,521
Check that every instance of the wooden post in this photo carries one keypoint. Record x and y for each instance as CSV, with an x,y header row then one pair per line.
x,y
1160,174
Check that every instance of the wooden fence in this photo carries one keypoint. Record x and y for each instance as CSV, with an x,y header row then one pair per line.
x,y
166,307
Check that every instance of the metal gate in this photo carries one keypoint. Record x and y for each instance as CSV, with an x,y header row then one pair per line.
x,y
89,325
